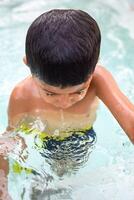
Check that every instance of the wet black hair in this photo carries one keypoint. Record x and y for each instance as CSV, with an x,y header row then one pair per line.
x,y
63,46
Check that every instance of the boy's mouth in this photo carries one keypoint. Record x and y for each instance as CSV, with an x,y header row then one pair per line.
x,y
64,107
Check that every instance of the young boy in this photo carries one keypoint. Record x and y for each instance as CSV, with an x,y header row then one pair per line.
x,y
62,50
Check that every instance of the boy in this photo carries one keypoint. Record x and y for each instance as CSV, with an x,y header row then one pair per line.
x,y
62,50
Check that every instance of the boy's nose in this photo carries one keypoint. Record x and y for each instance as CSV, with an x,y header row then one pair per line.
x,y
65,99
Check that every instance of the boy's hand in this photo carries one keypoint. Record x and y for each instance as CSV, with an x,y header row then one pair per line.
x,y
3,179
4,165
119,105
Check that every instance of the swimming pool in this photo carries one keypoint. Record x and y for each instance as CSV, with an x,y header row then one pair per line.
x,y
108,174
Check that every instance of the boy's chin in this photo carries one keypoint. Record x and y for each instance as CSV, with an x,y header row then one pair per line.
x,y
63,107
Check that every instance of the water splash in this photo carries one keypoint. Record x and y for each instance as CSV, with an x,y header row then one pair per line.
x,y
8,143
62,119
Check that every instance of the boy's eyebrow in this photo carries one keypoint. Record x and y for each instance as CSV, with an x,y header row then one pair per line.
x,y
70,93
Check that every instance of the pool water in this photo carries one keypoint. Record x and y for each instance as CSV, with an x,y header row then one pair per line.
x,y
108,173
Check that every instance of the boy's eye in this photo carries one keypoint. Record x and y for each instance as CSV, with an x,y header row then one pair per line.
x,y
50,94
80,92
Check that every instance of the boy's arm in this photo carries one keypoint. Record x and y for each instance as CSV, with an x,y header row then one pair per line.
x,y
15,108
3,178
119,105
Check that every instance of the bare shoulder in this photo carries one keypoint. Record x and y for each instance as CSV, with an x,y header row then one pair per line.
x,y
108,90
19,98
101,73
20,91
104,82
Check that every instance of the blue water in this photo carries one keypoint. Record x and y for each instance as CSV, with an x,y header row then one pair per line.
x,y
109,172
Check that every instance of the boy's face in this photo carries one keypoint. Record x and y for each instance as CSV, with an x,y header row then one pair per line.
x,y
62,98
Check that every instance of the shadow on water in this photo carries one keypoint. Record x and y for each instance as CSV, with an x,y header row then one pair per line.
x,y
52,194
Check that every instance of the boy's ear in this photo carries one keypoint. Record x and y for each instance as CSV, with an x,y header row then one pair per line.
x,y
89,79
25,60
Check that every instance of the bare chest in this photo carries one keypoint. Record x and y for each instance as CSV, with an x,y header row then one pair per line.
x,y
80,115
